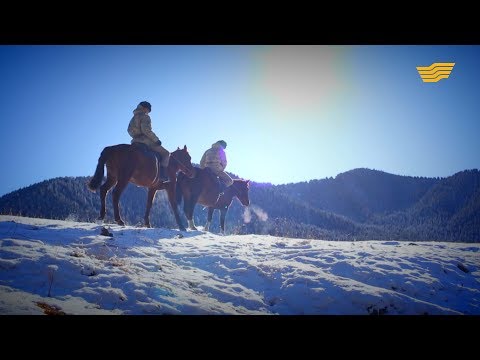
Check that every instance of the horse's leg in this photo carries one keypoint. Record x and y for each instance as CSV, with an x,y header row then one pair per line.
x,y
191,225
121,184
104,189
150,197
173,204
209,218
191,208
223,213
188,206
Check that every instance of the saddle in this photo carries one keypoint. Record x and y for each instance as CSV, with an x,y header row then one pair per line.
x,y
221,185
154,156
147,151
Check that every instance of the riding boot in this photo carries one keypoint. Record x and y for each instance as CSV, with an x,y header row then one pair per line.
x,y
221,186
163,175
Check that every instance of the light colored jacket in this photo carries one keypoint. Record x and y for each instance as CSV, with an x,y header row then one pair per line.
x,y
214,158
140,128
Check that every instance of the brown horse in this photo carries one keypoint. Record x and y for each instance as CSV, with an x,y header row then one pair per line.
x,y
203,188
130,163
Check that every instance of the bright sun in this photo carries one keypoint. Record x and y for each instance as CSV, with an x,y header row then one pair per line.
x,y
299,79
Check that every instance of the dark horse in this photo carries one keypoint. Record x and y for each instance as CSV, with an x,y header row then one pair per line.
x,y
203,188
131,163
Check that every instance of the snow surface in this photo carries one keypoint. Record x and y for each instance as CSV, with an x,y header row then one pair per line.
x,y
68,267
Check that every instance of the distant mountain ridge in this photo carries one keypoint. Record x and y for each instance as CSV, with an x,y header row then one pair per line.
x,y
360,193
357,204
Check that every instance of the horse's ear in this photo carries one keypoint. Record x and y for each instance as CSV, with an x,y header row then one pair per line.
x,y
185,147
178,148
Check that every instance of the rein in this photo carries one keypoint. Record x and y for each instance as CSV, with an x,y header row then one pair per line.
x,y
182,165
222,193
157,164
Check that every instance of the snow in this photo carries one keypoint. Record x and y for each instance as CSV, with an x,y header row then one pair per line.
x,y
69,267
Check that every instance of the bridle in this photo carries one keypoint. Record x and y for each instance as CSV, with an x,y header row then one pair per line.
x,y
183,167
235,191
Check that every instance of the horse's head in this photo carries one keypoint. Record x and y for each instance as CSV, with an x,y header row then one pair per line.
x,y
184,160
241,188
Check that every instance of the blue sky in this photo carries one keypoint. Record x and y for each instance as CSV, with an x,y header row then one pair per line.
x,y
288,113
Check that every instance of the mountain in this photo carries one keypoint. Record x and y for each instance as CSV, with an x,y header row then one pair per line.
x,y
450,209
358,204
360,193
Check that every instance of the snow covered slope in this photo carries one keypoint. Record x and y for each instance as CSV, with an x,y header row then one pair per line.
x,y
51,266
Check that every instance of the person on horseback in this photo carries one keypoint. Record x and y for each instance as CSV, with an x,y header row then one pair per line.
x,y
216,159
140,129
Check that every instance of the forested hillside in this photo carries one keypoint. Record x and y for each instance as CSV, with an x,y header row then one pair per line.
x,y
358,204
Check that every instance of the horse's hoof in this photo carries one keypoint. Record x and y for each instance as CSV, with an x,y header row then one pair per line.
x,y
181,228
120,222
148,225
193,228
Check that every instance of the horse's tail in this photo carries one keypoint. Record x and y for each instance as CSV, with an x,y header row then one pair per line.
x,y
179,194
96,181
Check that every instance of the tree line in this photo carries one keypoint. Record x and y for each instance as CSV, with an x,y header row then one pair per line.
x,y
360,204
